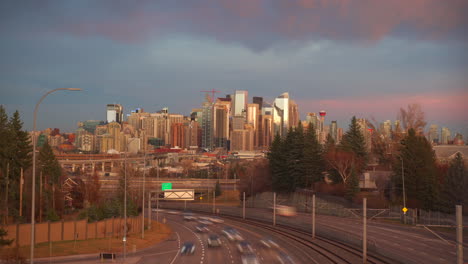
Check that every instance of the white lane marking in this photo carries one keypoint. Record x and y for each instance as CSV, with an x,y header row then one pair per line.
x,y
178,248
201,243
161,253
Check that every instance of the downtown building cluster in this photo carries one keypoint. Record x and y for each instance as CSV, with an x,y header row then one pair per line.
x,y
229,123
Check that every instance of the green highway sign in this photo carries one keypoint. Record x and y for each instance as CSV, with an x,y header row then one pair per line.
x,y
166,186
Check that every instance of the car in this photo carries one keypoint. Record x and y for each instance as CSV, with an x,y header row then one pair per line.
x,y
202,228
187,249
205,222
216,220
173,212
249,259
269,243
284,258
232,234
214,241
244,247
189,217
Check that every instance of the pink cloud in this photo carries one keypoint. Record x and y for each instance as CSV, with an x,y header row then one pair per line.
x,y
248,21
443,107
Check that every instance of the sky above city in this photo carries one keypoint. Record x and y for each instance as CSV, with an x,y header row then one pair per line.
x,y
349,57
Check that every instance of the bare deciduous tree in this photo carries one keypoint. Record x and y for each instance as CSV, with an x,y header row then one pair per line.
x,y
412,117
343,162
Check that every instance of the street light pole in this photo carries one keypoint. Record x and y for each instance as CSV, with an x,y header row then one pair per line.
x,y
33,193
404,193
143,199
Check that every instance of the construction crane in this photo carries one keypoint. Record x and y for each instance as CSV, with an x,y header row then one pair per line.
x,y
213,91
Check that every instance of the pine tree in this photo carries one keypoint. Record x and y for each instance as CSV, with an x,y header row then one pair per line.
x,y
3,241
51,172
420,171
18,155
455,184
353,141
278,166
294,152
313,158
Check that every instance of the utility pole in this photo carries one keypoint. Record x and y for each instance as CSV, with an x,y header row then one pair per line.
x,y
404,192
150,214
40,196
214,201
243,205
313,216
274,209
143,199
6,194
364,230
21,194
459,234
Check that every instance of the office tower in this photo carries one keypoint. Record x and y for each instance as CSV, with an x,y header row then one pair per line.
x,y
281,114
312,119
238,122
334,130
259,101
293,114
240,103
253,111
207,124
339,135
267,125
222,109
445,136
433,135
114,113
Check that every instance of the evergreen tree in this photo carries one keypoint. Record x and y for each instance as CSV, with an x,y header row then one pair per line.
x,y
352,185
313,159
18,155
455,184
353,141
278,166
3,241
420,172
294,151
51,172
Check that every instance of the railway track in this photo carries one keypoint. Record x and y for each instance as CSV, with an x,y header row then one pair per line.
x,y
333,251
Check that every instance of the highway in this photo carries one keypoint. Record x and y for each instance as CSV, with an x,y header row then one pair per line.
x,y
405,244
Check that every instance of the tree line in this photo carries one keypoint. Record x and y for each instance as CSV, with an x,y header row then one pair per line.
x,y
298,160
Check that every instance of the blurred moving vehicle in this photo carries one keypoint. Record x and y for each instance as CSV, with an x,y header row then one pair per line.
x,y
232,234
205,222
189,217
187,249
284,258
249,259
244,247
269,243
216,220
202,228
284,210
214,241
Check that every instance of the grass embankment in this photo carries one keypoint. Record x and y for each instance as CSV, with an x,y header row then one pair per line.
x,y
158,233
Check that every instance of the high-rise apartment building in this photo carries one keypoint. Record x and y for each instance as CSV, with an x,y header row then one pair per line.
x,y
114,113
207,124
222,109
293,114
366,133
259,101
386,128
242,139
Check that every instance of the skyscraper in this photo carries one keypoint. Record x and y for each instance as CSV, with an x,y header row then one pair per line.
x,y
240,103
281,114
207,124
445,136
334,130
433,135
114,113
221,122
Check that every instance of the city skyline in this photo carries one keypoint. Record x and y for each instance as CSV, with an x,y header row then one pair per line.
x,y
339,56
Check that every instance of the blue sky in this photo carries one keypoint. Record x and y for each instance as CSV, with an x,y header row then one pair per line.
x,y
365,58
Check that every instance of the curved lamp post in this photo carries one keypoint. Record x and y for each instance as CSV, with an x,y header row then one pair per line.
x,y
33,207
